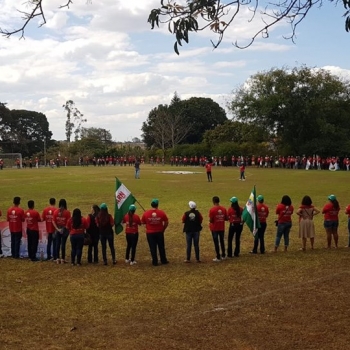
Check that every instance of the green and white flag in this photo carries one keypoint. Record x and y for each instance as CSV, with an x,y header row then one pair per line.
x,y
123,199
250,213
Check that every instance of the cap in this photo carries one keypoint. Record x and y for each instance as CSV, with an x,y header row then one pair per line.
x,y
155,201
234,200
103,206
260,198
192,205
332,197
132,207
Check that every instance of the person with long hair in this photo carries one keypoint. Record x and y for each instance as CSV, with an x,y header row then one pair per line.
x,y
94,233
263,213
132,222
60,220
192,220
284,211
306,213
76,226
234,214
105,224
331,220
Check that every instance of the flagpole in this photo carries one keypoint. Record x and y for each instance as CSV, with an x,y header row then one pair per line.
x,y
140,204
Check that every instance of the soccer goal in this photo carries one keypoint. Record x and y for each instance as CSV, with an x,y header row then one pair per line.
x,y
11,160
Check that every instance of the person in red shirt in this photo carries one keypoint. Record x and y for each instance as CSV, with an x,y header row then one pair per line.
x,y
15,217
263,213
241,172
60,219
156,222
192,220
132,222
208,166
94,233
32,218
105,223
217,218
76,226
284,211
234,215
347,212
331,220
47,216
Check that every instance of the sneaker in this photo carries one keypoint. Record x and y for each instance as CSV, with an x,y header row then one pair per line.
x,y
223,257
252,252
2,255
187,261
58,261
133,262
114,262
127,261
216,260
78,264
63,261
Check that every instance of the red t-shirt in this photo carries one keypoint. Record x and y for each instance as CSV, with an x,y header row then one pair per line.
x,y
32,217
233,218
77,231
47,216
154,219
263,212
242,168
136,222
347,211
284,213
217,218
208,167
15,217
330,213
61,218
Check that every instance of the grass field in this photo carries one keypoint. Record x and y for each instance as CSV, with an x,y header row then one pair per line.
x,y
293,300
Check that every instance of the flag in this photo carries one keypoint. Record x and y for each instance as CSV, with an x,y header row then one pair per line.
x,y
250,213
123,199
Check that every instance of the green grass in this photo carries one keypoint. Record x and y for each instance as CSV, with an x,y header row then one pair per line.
x,y
277,301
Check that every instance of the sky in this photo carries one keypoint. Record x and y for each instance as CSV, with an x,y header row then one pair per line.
x,y
103,55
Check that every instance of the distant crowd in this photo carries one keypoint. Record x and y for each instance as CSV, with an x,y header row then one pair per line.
x,y
289,162
98,227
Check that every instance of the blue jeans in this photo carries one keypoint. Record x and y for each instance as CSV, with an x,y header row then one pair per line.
x,y
77,243
242,175
283,230
156,240
192,237
16,238
218,236
110,239
61,240
260,237
137,173
50,242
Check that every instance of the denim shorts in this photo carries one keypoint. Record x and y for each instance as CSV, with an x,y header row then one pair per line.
x,y
331,224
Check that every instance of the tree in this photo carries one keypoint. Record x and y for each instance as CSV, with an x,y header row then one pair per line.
x,y
97,133
74,120
24,131
213,15
217,16
305,111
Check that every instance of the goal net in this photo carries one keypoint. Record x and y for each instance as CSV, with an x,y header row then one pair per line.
x,y
11,160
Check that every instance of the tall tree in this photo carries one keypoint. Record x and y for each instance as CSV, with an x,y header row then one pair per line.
x,y
97,133
74,120
24,132
305,110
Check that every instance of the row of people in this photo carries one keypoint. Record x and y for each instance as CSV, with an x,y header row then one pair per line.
x,y
60,225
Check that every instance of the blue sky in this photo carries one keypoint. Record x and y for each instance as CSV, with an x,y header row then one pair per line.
x,y
105,58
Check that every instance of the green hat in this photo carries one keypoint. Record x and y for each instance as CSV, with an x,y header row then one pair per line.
x,y
155,201
103,206
332,197
234,200
132,207
260,198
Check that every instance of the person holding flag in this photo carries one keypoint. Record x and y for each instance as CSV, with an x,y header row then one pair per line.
x,y
250,213
123,200
156,222
263,213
